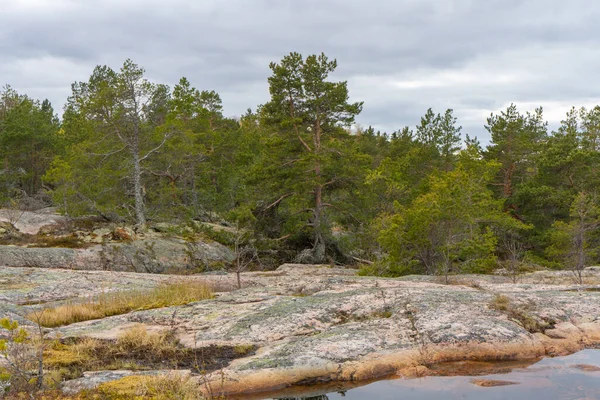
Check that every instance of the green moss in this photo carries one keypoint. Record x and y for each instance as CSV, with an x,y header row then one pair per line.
x,y
4,375
243,349
520,314
212,316
68,242
64,358
291,305
124,388
264,363
382,314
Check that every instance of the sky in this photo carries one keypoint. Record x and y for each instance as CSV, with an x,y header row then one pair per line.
x,y
399,56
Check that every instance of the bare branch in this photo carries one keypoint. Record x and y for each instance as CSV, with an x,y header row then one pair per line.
x,y
167,135
331,182
290,163
361,260
106,155
279,200
305,145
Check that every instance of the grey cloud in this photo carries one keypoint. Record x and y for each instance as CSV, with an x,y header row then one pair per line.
x,y
226,45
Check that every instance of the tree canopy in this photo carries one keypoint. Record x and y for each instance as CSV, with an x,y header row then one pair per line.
x,y
299,173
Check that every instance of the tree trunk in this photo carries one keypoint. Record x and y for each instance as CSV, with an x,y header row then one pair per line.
x,y
195,201
319,240
508,178
140,216
40,373
580,263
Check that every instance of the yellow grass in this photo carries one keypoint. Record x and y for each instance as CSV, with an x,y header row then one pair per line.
x,y
115,303
136,343
152,387
500,302
138,340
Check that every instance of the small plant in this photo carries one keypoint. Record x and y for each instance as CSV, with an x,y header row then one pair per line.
x,y
245,254
500,303
418,336
515,250
13,211
69,242
382,314
22,354
462,281
15,350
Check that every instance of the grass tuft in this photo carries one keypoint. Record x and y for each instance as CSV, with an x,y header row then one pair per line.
x,y
138,341
115,303
500,302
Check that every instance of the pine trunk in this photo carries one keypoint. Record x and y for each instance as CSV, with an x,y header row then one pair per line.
x,y
140,215
319,240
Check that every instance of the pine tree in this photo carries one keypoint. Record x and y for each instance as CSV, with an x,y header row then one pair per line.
x,y
313,155
116,110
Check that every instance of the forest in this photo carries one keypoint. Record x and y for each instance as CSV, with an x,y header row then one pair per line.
x,y
303,181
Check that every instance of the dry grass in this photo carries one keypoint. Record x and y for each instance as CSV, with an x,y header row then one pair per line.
x,y
461,281
500,303
138,349
115,303
135,349
138,340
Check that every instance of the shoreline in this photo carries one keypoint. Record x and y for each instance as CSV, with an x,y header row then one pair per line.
x,y
406,365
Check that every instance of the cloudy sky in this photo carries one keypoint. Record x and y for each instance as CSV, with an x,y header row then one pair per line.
x,y
399,56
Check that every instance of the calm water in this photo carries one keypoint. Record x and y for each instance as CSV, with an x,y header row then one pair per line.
x,y
551,378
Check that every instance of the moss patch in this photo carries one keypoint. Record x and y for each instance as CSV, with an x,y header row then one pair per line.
x,y
521,313
164,387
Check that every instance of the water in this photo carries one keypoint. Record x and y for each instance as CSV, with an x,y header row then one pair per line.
x,y
551,378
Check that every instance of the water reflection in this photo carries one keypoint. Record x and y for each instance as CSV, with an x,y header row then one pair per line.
x,y
573,377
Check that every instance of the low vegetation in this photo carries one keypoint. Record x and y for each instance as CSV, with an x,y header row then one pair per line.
x,y
520,313
167,387
139,349
115,303
136,349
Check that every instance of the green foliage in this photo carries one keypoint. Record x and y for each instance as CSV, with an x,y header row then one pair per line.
x,y
302,179
15,334
448,228
575,242
29,137
516,140
309,164
14,348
